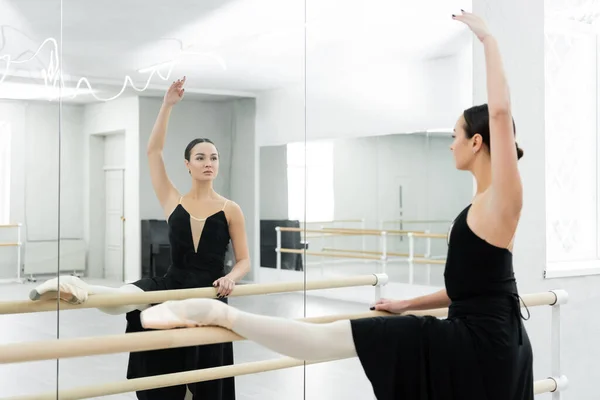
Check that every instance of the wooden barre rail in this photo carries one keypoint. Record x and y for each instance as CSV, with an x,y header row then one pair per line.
x,y
137,341
389,253
174,338
330,222
10,226
415,221
428,261
343,254
9,244
367,232
327,254
361,232
160,296
430,235
201,375
331,235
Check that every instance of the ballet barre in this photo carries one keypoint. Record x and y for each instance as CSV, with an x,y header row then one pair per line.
x,y
162,339
549,385
390,253
18,245
382,256
209,335
160,296
137,341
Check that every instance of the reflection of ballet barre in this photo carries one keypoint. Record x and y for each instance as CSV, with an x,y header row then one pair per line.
x,y
335,225
381,256
417,221
390,253
64,348
382,259
160,296
333,221
327,254
347,231
18,245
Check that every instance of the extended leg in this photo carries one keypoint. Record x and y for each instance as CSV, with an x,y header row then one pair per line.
x,y
75,291
301,340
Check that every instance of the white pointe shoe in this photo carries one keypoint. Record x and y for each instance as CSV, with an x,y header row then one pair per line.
x,y
165,316
185,314
69,288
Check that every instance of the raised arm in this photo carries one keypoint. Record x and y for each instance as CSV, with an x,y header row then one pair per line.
x,y
506,188
166,192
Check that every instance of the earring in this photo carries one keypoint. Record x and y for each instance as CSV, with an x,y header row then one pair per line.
x,y
189,171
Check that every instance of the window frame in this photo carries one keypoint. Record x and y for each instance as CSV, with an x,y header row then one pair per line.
x,y
562,269
306,166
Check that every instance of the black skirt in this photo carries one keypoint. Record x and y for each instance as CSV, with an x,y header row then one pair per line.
x,y
426,358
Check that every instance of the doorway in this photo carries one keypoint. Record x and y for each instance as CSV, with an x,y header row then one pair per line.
x,y
114,223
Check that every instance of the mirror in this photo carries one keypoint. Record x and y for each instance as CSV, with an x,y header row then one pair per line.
x,y
31,237
145,231
375,181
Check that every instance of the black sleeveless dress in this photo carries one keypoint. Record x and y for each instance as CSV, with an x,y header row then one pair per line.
x,y
190,268
481,351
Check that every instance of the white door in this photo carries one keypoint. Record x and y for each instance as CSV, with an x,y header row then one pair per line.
x,y
113,253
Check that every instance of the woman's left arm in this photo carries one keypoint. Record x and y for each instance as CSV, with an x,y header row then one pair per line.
x,y
239,239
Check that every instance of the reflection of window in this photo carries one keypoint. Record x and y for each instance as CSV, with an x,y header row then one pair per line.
x,y
4,173
310,167
572,149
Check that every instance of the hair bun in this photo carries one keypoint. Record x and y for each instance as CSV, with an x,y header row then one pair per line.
x,y
519,151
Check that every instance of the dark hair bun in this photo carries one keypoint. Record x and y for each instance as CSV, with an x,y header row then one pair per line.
x,y
519,152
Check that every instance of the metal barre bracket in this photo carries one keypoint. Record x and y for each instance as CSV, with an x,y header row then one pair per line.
x,y
562,297
382,279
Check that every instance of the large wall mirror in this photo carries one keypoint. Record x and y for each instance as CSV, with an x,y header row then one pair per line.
x,y
375,180
83,85
31,197
329,130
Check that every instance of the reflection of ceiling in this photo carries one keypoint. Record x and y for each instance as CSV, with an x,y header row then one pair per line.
x,y
227,47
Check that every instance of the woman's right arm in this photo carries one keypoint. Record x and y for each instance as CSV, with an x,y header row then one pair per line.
x,y
167,194
438,299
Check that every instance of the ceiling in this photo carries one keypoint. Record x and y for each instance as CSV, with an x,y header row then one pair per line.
x,y
226,48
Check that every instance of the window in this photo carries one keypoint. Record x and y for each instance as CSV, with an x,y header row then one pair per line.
x,y
572,148
5,136
310,181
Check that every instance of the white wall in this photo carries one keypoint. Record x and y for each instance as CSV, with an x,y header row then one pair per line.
x,y
391,98
519,28
121,115
35,175
273,182
244,185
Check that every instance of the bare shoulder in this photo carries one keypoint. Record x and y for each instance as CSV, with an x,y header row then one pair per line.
x,y
232,209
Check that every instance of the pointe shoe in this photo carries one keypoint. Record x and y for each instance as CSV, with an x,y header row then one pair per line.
x,y
70,289
186,314
167,315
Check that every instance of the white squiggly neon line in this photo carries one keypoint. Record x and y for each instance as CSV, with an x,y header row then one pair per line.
x,y
52,74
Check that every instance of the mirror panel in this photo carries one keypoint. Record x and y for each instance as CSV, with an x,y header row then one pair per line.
x,y
123,62
30,188
382,99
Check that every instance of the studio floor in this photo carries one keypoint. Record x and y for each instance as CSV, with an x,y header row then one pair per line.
x,y
334,380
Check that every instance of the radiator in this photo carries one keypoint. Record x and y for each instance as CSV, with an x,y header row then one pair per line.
x,y
42,257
